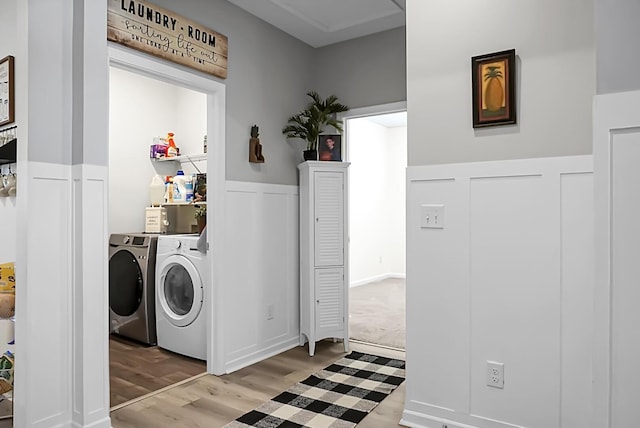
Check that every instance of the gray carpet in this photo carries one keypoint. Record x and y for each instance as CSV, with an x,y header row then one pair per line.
x,y
377,313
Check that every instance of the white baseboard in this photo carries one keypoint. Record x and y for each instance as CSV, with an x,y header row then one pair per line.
x,y
263,354
413,419
419,419
376,278
102,423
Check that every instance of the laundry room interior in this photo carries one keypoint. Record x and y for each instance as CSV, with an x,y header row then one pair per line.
x,y
144,113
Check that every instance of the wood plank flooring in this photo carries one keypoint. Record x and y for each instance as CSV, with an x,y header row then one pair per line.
x,y
6,410
212,401
136,370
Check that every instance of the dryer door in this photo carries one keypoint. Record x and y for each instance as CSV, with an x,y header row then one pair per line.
x,y
125,283
180,290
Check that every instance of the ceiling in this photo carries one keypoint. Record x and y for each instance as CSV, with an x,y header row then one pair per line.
x,y
323,22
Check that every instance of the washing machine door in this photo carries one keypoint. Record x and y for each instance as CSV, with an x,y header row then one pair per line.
x,y
180,290
125,283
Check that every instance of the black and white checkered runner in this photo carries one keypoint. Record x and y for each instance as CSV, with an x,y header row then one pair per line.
x,y
339,396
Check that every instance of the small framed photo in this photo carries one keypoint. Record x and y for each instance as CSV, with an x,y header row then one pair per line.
x,y
6,91
330,147
493,78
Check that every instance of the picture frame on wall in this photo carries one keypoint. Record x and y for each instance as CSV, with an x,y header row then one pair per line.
x,y
330,147
493,78
7,107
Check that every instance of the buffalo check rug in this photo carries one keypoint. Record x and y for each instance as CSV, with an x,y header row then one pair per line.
x,y
339,396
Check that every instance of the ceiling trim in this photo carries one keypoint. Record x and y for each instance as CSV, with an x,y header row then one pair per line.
x,y
310,21
329,29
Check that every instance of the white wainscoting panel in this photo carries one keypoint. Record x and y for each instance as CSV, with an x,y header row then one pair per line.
x,y
61,373
242,261
426,249
43,354
578,284
261,287
625,272
503,281
514,294
616,156
91,398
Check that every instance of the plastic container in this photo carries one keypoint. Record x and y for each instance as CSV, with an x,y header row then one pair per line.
x,y
172,150
189,189
168,194
156,191
179,187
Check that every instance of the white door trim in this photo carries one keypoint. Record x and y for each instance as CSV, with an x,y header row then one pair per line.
x,y
216,113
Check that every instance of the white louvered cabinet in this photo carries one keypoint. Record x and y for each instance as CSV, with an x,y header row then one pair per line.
x,y
323,252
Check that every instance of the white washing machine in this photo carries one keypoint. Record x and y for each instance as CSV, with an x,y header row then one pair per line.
x,y
181,278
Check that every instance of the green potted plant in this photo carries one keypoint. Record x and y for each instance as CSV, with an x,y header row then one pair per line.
x,y
201,215
311,121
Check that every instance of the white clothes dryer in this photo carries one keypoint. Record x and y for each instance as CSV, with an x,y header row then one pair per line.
x,y
181,278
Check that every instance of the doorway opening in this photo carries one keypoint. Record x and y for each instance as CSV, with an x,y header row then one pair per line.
x,y
149,99
377,150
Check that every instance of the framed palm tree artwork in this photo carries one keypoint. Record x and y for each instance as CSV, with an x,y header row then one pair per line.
x,y
493,78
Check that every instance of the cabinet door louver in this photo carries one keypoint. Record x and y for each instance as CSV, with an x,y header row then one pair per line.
x,y
329,299
329,213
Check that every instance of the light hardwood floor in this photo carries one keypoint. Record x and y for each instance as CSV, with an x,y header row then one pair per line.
x,y
136,370
212,401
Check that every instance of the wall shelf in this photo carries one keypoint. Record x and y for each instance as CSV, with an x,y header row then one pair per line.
x,y
194,204
183,158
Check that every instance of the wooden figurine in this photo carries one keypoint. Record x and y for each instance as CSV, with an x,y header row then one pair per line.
x,y
255,148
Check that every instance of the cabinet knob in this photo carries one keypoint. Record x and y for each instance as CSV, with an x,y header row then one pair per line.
x,y
317,219
317,301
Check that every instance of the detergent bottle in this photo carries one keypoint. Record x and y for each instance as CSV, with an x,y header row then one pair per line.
x,y
168,195
189,189
179,187
156,191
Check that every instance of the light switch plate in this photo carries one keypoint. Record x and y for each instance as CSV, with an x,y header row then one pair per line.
x,y
432,216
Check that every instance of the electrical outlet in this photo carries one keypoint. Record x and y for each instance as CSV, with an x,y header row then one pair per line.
x,y
495,374
270,312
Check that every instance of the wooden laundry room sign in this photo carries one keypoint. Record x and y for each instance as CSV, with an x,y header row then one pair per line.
x,y
157,31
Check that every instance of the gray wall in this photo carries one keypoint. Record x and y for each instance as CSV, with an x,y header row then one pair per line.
x,y
555,48
7,28
269,73
366,71
618,57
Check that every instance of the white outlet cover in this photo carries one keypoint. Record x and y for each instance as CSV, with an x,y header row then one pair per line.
x,y
495,374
